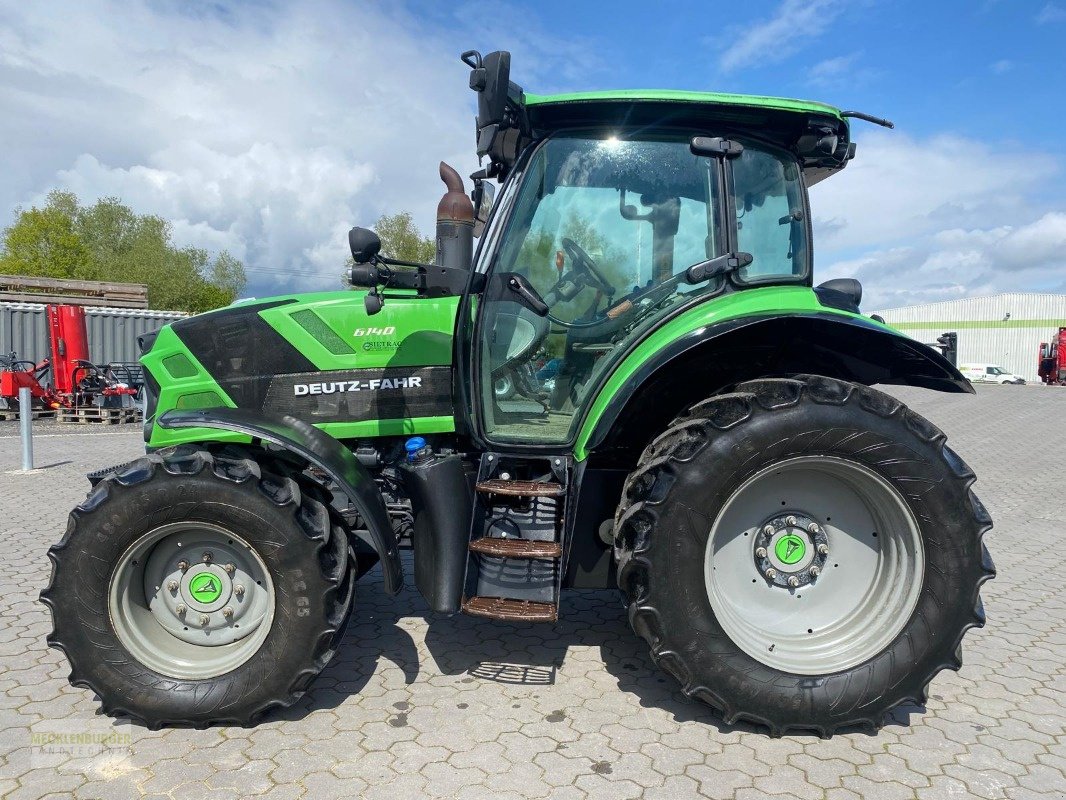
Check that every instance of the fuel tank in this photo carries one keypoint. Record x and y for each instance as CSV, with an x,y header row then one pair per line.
x,y
319,357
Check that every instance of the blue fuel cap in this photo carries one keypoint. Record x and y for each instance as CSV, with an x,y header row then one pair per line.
x,y
413,445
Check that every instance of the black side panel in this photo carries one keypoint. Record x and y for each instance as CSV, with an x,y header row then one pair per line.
x,y
441,502
342,395
322,451
591,564
241,351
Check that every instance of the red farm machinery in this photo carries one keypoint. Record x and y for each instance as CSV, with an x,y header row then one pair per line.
x,y
68,381
1052,360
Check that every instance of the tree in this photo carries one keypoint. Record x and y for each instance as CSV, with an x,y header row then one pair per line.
x,y
108,241
401,239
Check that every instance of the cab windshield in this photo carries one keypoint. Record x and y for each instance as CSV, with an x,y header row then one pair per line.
x,y
604,230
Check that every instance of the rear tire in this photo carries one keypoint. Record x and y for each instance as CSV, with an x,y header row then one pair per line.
x,y
711,596
262,553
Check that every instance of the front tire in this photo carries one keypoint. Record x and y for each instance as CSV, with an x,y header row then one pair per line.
x,y
199,588
802,554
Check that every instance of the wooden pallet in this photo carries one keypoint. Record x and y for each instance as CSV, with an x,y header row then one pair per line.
x,y
87,415
13,413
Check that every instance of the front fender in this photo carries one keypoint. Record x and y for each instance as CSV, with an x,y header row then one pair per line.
x,y
655,382
322,451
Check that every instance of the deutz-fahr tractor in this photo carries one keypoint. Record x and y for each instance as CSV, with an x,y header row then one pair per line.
x,y
685,417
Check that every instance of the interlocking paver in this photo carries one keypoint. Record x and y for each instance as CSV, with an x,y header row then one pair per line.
x,y
410,708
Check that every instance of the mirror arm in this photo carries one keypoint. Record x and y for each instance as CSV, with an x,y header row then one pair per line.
x,y
530,299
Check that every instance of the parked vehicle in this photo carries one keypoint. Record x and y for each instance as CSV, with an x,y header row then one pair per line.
x,y
989,373
796,548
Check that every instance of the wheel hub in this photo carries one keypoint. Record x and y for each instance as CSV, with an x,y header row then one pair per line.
x,y
217,600
790,550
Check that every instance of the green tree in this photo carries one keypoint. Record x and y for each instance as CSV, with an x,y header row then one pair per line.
x,y
401,239
108,241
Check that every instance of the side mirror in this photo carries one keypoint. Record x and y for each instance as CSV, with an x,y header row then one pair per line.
x,y
483,196
365,245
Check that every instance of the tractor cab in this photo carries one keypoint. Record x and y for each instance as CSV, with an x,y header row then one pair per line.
x,y
619,210
607,233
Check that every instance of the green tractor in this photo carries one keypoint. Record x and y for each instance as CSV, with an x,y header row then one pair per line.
x,y
632,382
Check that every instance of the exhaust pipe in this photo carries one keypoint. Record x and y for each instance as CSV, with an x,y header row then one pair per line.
x,y
455,223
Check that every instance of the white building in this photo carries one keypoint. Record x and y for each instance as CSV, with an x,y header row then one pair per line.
x,y
1004,329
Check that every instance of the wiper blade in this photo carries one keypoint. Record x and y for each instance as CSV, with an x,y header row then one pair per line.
x,y
884,123
723,265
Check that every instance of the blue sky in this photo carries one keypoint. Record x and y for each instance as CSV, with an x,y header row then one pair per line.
x,y
269,128
977,68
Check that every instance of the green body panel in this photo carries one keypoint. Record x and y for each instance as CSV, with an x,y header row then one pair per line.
x,y
331,330
180,389
775,300
677,96
408,331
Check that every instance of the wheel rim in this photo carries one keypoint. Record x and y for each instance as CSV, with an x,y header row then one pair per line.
x,y
814,565
191,600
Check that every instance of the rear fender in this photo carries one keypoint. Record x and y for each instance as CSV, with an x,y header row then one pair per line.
x,y
322,451
644,394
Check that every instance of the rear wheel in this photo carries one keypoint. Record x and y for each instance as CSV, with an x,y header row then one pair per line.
x,y
804,554
197,588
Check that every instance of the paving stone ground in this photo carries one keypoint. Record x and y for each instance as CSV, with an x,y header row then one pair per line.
x,y
417,705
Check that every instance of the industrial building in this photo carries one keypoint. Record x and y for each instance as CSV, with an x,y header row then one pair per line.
x,y
112,332
1003,329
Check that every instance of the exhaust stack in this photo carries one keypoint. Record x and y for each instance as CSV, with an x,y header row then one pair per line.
x,y
455,222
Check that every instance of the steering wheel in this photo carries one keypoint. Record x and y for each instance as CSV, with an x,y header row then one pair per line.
x,y
582,262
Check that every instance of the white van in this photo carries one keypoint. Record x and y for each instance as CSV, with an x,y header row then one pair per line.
x,y
989,373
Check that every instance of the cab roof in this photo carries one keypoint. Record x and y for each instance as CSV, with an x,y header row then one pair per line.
x,y
679,96
791,124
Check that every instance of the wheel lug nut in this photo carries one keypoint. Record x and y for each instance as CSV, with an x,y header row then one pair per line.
x,y
238,590
793,581
823,549
208,556
790,521
768,530
760,552
813,527
770,574
230,568
181,609
172,586
815,572
204,619
227,612
183,565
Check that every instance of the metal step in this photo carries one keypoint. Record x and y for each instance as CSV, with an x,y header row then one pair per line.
x,y
521,488
510,610
516,548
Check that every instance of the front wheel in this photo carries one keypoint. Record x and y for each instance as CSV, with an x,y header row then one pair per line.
x,y
199,588
803,554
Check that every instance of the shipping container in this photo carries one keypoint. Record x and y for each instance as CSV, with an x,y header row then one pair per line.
x,y
112,332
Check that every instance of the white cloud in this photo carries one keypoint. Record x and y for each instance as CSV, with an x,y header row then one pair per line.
x,y
1001,67
832,69
775,39
265,129
1051,12
919,220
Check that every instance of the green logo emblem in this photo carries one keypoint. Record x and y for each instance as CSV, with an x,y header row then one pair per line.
x,y
790,549
206,588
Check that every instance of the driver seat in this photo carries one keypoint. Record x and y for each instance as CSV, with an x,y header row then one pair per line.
x,y
517,333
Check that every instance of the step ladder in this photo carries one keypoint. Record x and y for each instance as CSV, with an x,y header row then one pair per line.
x,y
515,567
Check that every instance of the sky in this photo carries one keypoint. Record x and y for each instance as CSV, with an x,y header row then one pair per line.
x,y
269,129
